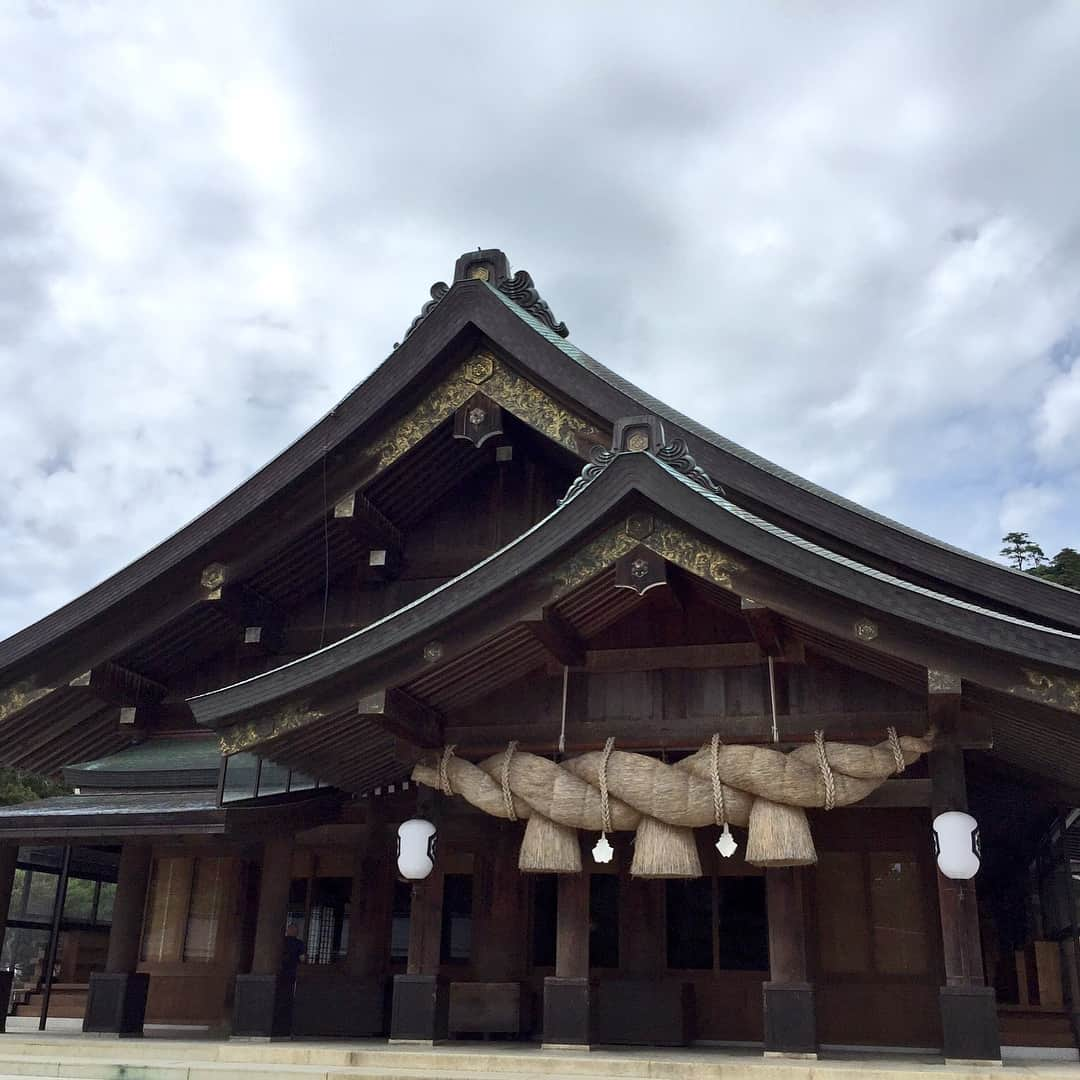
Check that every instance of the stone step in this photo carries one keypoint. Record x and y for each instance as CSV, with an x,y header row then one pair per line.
x,y
74,1057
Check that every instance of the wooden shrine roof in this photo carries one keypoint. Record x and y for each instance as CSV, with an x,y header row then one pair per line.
x,y
477,622
504,313
114,816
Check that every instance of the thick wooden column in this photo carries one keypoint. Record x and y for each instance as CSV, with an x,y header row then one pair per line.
x,y
116,1001
567,1000
274,881
264,998
371,908
420,996
790,1019
968,1007
9,854
499,903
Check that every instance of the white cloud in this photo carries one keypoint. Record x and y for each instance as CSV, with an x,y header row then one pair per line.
x,y
851,242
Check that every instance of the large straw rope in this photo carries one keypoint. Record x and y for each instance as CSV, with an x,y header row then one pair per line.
x,y
615,789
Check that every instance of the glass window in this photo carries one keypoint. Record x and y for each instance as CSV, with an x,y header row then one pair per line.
x,y
545,919
240,774
899,918
204,910
742,924
689,913
79,900
327,938
106,899
24,953
603,921
40,894
273,779
456,944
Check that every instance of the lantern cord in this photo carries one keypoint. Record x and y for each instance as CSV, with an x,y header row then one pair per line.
x,y
444,776
826,770
717,788
605,808
897,750
562,729
508,798
326,547
772,700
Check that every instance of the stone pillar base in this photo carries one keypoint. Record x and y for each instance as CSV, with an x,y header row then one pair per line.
x,y
420,1008
790,1019
567,1013
262,1007
969,1023
116,1003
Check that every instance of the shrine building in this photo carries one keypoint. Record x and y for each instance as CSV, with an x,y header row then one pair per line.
x,y
543,713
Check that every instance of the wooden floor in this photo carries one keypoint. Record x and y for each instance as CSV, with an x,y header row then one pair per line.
x,y
65,1052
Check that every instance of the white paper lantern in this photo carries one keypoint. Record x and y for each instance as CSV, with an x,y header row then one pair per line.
x,y
956,844
416,849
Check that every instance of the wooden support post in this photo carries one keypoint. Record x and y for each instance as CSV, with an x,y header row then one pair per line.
x,y
420,997
372,908
499,899
263,1003
116,1001
567,998
9,853
790,1020
968,1007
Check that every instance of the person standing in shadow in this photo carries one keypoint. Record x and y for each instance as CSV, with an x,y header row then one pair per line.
x,y
294,948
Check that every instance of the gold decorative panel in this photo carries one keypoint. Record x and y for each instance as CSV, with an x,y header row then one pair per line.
x,y
1054,690
517,395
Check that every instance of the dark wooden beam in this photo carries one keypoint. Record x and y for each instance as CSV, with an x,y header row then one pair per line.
x,y
403,716
359,512
679,733
764,625
735,654
558,637
116,685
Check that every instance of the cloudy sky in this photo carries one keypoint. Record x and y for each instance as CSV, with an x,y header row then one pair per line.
x,y
844,235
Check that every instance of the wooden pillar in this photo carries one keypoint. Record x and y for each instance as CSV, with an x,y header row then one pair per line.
x,y
420,997
567,998
499,906
274,882
790,1019
125,933
968,1007
116,1001
9,854
263,1003
371,908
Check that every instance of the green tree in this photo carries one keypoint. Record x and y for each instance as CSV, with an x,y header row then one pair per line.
x,y
18,786
1020,549
1062,569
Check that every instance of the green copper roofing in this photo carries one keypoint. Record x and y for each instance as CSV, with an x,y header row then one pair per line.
x,y
851,564
665,412
182,759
